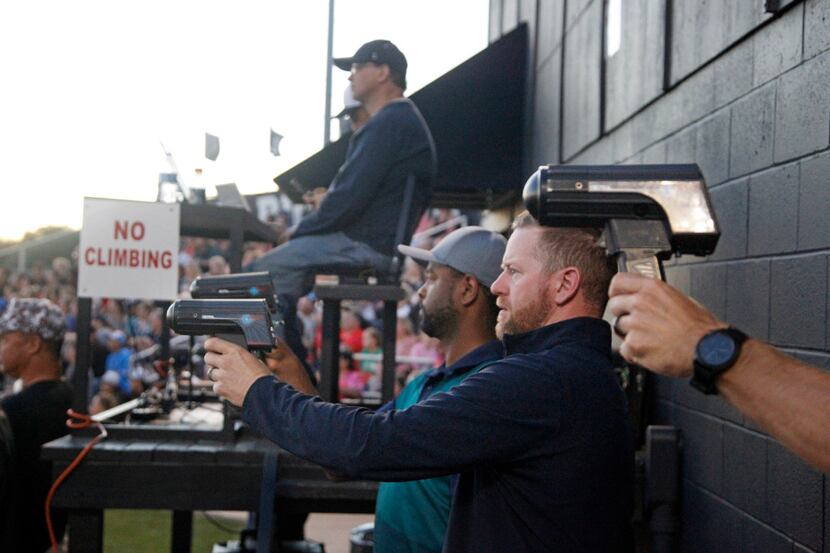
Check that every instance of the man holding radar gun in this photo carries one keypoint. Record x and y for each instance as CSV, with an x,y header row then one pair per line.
x,y
539,439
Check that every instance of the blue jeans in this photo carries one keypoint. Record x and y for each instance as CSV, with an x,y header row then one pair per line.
x,y
293,264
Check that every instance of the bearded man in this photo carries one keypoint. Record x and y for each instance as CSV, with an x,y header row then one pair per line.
x,y
539,439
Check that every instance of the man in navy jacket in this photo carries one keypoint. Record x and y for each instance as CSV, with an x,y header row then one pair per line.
x,y
358,218
540,439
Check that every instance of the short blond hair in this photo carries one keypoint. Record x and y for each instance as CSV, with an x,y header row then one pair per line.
x,y
561,247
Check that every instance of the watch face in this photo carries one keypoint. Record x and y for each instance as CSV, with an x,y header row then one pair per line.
x,y
716,349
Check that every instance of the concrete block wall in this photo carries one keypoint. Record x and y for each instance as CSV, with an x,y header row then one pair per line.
x,y
746,95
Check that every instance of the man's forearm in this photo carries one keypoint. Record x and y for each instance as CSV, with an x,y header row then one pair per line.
x,y
287,367
297,379
785,397
334,436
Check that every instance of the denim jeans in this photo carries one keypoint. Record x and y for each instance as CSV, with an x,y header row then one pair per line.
x,y
293,264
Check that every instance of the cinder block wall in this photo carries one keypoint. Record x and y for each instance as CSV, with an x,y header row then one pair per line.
x,y
746,95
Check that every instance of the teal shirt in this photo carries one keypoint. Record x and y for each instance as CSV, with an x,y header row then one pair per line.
x,y
411,517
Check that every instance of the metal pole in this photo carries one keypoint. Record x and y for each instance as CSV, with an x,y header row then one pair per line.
x,y
83,356
327,122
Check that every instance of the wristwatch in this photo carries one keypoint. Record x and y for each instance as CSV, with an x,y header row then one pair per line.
x,y
714,355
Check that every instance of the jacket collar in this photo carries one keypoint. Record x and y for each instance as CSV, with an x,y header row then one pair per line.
x,y
591,331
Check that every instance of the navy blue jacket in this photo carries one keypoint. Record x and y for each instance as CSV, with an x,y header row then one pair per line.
x,y
366,197
540,441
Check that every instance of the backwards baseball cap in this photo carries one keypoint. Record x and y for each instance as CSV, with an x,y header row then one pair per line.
x,y
470,250
33,316
349,103
381,52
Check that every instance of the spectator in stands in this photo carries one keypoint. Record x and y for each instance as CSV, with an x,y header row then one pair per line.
x,y
31,332
351,380
351,334
426,347
358,219
404,340
102,401
110,384
371,345
404,337
99,351
218,266
668,333
352,117
202,249
309,317
68,353
118,361
139,321
62,269
188,272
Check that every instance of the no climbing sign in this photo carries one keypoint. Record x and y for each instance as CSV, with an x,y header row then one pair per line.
x,y
129,250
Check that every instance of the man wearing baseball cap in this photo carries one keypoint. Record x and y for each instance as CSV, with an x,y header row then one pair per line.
x,y
31,334
539,439
458,309
356,223
353,116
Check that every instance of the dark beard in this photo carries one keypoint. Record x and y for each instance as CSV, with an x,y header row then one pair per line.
x,y
439,324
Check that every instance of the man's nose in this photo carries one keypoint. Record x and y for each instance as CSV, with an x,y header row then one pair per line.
x,y
497,288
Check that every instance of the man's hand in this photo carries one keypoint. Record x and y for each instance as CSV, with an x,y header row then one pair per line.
x,y
233,369
660,325
288,368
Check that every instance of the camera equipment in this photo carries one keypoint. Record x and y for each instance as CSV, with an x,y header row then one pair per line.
x,y
246,322
181,354
647,212
238,286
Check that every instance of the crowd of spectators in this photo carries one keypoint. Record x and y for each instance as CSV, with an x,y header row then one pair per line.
x,y
123,330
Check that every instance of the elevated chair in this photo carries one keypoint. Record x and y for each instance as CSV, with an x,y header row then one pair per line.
x,y
368,284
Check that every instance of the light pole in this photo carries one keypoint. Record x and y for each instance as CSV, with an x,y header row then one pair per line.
x,y
327,122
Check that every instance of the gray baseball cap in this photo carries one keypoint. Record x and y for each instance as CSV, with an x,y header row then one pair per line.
x,y
471,250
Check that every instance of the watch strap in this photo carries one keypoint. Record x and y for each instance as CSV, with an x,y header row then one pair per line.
x,y
704,375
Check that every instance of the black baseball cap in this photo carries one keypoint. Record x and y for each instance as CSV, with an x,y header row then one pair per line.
x,y
382,52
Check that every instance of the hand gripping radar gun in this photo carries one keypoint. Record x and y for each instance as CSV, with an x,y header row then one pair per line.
x,y
647,212
246,322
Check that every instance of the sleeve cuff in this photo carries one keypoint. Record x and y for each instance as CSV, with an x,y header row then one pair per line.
x,y
259,387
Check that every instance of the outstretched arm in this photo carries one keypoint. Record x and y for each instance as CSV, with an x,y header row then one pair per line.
x,y
788,398
442,435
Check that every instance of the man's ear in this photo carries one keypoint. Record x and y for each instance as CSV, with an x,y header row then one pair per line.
x,y
467,288
566,283
33,343
384,74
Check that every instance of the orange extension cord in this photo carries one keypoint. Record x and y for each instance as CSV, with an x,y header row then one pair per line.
x,y
76,421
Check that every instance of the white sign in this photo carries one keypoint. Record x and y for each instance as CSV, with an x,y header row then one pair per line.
x,y
129,250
